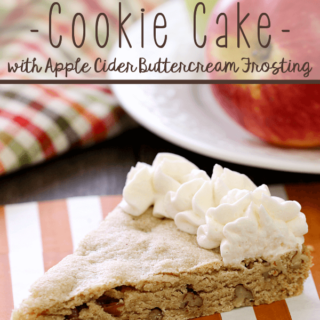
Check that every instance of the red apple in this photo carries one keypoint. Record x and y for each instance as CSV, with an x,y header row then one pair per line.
x,y
285,115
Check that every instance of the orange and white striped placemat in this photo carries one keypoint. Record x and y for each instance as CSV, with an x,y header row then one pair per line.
x,y
36,236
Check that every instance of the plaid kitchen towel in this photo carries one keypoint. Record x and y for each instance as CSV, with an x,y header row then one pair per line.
x,y
36,236
38,122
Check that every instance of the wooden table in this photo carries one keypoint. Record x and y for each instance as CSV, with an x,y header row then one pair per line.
x,y
102,170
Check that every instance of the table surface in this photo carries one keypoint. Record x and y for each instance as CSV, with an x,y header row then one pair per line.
x,y
102,170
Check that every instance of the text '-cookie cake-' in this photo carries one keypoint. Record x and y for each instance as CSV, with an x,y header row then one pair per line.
x,y
180,245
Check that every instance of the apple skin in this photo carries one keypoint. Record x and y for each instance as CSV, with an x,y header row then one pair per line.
x,y
202,19
285,115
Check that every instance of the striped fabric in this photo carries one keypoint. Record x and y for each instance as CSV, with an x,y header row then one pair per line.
x,y
38,122
36,236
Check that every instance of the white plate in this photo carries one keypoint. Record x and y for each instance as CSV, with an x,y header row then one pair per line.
x,y
188,115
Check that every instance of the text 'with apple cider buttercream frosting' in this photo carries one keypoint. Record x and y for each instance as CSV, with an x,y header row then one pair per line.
x,y
227,210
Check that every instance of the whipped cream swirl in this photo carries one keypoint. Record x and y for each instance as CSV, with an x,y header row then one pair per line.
x,y
226,210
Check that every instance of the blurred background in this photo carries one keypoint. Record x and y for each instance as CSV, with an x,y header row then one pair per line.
x,y
59,141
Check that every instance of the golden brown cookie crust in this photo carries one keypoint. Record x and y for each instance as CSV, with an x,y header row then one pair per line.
x,y
144,268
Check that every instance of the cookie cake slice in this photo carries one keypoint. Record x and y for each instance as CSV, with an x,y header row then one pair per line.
x,y
180,245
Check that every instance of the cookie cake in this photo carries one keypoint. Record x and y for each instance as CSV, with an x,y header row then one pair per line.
x,y
180,245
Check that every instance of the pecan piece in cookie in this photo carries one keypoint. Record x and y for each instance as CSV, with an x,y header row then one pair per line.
x,y
191,299
111,305
76,312
155,314
241,295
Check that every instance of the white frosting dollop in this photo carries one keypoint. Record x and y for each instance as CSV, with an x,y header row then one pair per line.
x,y
226,210
148,185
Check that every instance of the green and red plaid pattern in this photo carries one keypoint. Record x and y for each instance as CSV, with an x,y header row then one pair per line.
x,y
38,122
